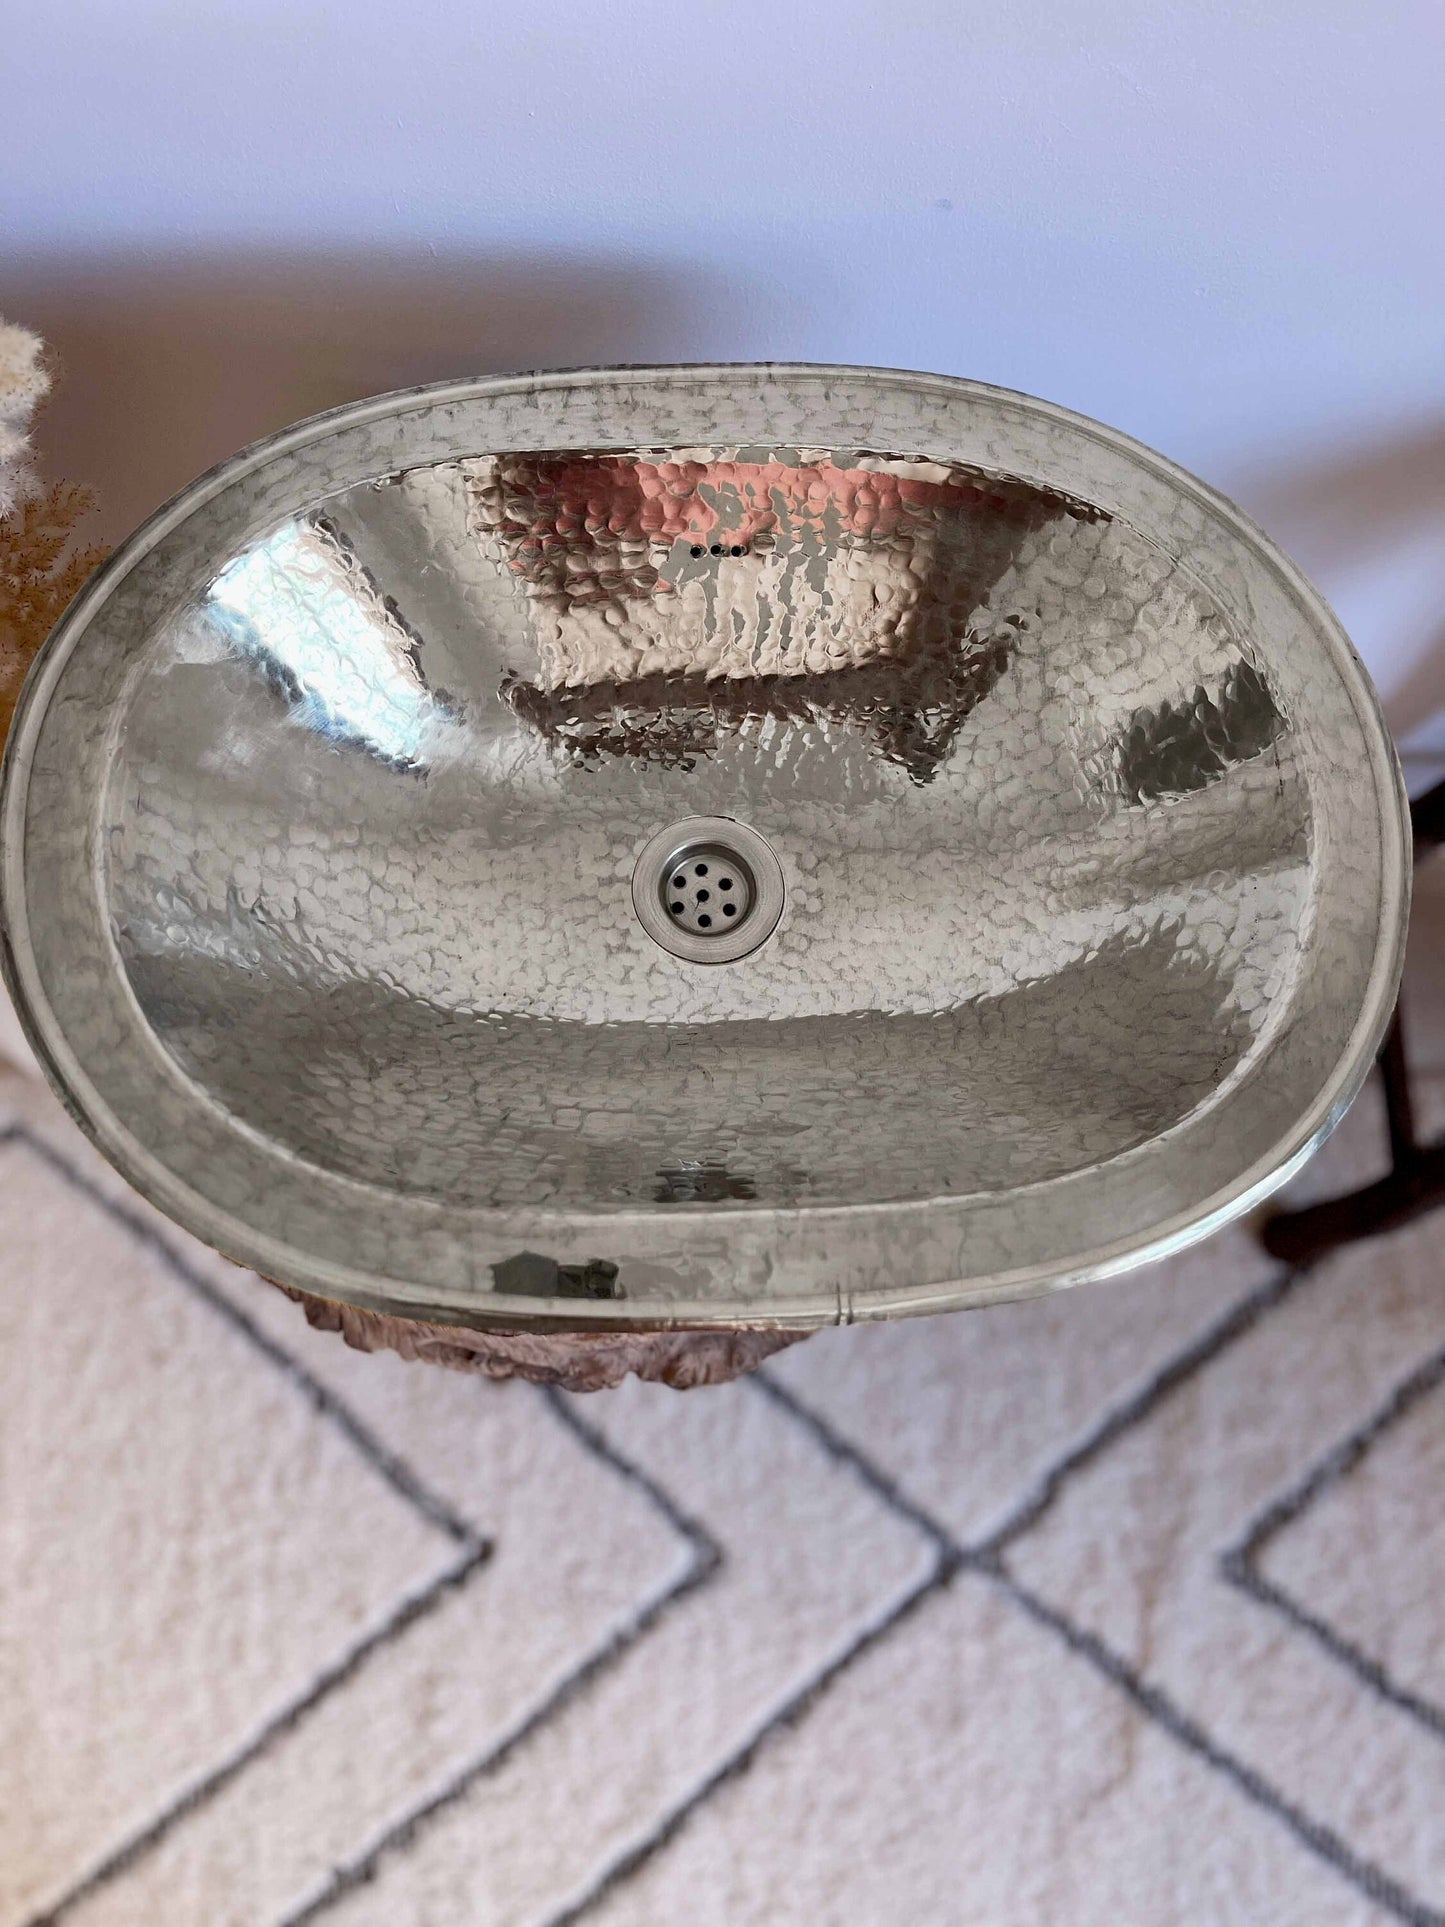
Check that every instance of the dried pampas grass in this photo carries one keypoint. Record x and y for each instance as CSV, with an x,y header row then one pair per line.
x,y
24,383
41,563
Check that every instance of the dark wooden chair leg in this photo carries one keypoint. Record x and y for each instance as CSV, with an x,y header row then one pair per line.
x,y
1407,1193
1415,1183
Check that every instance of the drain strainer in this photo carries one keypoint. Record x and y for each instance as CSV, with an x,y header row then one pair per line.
x,y
708,889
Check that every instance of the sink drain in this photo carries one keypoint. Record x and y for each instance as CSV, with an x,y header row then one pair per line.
x,y
708,889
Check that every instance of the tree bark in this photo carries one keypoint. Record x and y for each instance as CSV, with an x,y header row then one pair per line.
x,y
576,1361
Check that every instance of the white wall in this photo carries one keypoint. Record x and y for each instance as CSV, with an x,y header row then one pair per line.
x,y
1217,225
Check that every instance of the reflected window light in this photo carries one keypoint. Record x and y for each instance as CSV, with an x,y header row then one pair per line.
x,y
306,608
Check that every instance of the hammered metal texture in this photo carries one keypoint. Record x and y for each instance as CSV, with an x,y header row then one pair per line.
x,y
324,805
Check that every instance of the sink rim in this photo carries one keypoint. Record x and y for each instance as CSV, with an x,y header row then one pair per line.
x,y
574,1230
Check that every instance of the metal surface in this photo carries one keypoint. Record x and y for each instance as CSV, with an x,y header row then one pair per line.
x,y
324,805
709,890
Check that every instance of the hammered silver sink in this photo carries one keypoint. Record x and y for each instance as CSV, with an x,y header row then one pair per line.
x,y
701,846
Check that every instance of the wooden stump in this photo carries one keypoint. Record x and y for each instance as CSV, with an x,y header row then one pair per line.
x,y
576,1361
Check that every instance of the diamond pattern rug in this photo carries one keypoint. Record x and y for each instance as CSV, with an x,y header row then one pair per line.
x,y
1126,1605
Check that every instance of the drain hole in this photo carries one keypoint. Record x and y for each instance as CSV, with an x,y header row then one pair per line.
x,y
704,891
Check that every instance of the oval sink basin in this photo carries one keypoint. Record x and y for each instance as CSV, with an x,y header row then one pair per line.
x,y
701,846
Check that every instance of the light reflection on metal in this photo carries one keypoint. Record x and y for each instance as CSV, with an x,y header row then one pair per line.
x,y
301,604
681,600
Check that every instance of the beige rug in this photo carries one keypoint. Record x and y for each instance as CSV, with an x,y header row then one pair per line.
x,y
1124,1607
